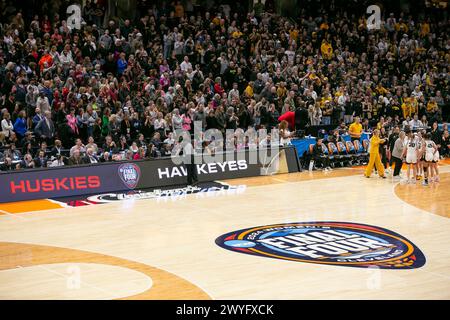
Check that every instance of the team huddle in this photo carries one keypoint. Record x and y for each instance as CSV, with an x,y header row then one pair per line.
x,y
417,150
422,157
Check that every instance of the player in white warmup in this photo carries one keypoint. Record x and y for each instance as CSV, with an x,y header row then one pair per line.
x,y
411,153
434,165
428,152
420,159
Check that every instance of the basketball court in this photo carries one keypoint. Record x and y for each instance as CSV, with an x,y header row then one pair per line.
x,y
166,247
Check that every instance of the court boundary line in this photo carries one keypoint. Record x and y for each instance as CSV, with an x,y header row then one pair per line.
x,y
99,289
427,212
403,201
9,214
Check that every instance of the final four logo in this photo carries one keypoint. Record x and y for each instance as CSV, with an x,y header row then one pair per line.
x,y
129,174
332,243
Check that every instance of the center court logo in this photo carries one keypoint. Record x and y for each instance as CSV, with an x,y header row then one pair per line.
x,y
129,173
331,243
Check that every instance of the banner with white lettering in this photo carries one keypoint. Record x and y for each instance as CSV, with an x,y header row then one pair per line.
x,y
120,176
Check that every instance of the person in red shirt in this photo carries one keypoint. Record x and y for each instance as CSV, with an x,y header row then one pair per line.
x,y
140,155
46,25
45,58
290,118
218,86
56,36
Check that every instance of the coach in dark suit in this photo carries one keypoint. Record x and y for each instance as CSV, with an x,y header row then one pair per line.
x,y
45,129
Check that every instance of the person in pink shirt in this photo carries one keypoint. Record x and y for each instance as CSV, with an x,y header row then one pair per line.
x,y
164,81
72,122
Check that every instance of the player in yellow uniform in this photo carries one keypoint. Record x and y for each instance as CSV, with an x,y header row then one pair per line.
x,y
375,159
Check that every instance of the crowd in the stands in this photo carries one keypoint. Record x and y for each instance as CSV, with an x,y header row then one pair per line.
x,y
118,89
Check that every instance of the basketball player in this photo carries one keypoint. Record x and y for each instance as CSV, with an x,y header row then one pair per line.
x,y
375,159
434,165
429,148
410,152
421,155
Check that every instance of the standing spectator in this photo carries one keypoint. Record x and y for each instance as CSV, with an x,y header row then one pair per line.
x,y
72,122
316,116
42,102
177,120
45,129
121,64
7,125
20,125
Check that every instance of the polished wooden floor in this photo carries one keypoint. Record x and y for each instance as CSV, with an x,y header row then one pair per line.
x,y
165,249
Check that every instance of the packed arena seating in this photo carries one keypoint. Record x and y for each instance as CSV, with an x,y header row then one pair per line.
x,y
117,88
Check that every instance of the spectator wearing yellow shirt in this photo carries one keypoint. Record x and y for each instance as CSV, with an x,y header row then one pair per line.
x,y
380,123
339,93
381,90
324,26
236,33
401,26
293,33
407,107
179,10
325,97
414,105
281,91
424,29
355,129
326,49
432,106
216,20
249,89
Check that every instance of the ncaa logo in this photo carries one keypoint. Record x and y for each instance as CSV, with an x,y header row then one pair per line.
x,y
331,243
129,173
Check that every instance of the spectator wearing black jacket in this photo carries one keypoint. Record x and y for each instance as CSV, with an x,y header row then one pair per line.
x,y
27,162
436,134
109,145
445,144
41,159
211,121
57,148
245,117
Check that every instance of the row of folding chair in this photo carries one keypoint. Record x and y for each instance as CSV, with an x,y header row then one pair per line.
x,y
345,154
